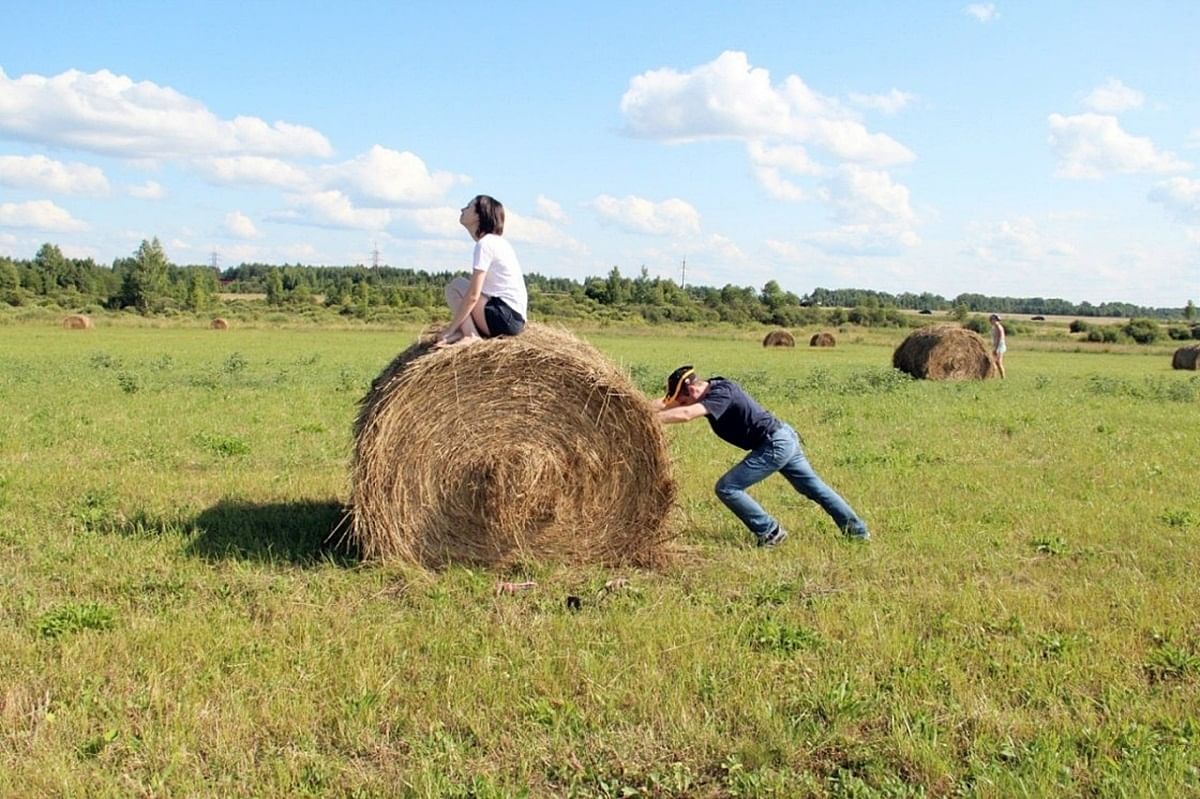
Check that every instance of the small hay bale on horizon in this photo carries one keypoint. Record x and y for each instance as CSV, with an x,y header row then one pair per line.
x,y
1186,357
779,338
822,339
508,450
219,324
945,352
77,321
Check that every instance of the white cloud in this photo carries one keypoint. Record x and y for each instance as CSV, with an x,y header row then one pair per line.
x,y
1181,197
670,217
391,176
112,114
549,209
889,103
724,248
333,209
769,164
867,197
240,226
864,239
150,190
1113,97
984,12
538,231
39,215
41,173
441,222
1014,240
728,99
255,170
1089,145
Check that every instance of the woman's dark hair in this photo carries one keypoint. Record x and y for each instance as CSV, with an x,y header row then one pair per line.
x,y
491,215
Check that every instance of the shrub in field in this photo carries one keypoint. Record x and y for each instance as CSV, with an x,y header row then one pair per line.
x,y
102,360
1109,334
1151,388
979,325
772,636
1080,326
1143,331
129,382
235,363
73,618
225,446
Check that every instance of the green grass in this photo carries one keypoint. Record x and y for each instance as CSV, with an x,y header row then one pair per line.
x,y
1023,624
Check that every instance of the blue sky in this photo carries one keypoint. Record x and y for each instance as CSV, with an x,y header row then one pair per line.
x,y
1021,149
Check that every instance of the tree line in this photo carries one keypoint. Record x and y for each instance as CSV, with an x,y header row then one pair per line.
x,y
149,283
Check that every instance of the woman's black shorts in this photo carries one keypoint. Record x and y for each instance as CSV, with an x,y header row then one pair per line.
x,y
501,319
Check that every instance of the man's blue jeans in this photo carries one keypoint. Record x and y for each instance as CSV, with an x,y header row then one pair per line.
x,y
782,453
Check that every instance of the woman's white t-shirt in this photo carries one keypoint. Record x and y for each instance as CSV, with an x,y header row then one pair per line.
x,y
504,279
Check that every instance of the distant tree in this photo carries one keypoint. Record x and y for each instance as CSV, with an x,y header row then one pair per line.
x,y
618,288
144,281
274,287
10,282
201,285
960,312
1189,311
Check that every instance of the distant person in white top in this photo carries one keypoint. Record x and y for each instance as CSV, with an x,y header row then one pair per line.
x,y
999,346
494,301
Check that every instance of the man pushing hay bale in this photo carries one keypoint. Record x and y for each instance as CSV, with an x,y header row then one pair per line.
x,y
822,339
1186,357
779,338
945,352
509,449
77,321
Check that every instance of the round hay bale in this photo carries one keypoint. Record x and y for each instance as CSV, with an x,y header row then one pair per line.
x,y
77,321
779,338
219,324
822,339
1186,357
532,447
945,352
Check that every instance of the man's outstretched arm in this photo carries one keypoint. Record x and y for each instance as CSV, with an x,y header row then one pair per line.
x,y
683,413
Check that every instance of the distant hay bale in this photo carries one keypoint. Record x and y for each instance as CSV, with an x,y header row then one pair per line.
x,y
77,321
219,324
533,447
779,338
1186,357
945,352
822,339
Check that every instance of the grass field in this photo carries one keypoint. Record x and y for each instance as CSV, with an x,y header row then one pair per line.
x,y
1024,623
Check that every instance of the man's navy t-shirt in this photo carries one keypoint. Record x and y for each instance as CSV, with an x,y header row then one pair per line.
x,y
734,416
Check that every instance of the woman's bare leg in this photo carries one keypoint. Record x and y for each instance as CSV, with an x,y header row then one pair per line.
x,y
456,292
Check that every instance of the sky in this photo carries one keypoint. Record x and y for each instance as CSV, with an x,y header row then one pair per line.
x,y
1011,148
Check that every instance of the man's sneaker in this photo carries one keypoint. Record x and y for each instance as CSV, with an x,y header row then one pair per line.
x,y
860,535
773,538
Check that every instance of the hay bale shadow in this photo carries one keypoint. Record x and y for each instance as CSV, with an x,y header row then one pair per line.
x,y
301,533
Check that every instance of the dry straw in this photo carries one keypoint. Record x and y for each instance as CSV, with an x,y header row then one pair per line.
x,y
822,340
779,338
219,324
77,321
1186,357
505,451
945,352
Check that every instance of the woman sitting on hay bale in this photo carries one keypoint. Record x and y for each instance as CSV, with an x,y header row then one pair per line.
x,y
494,301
